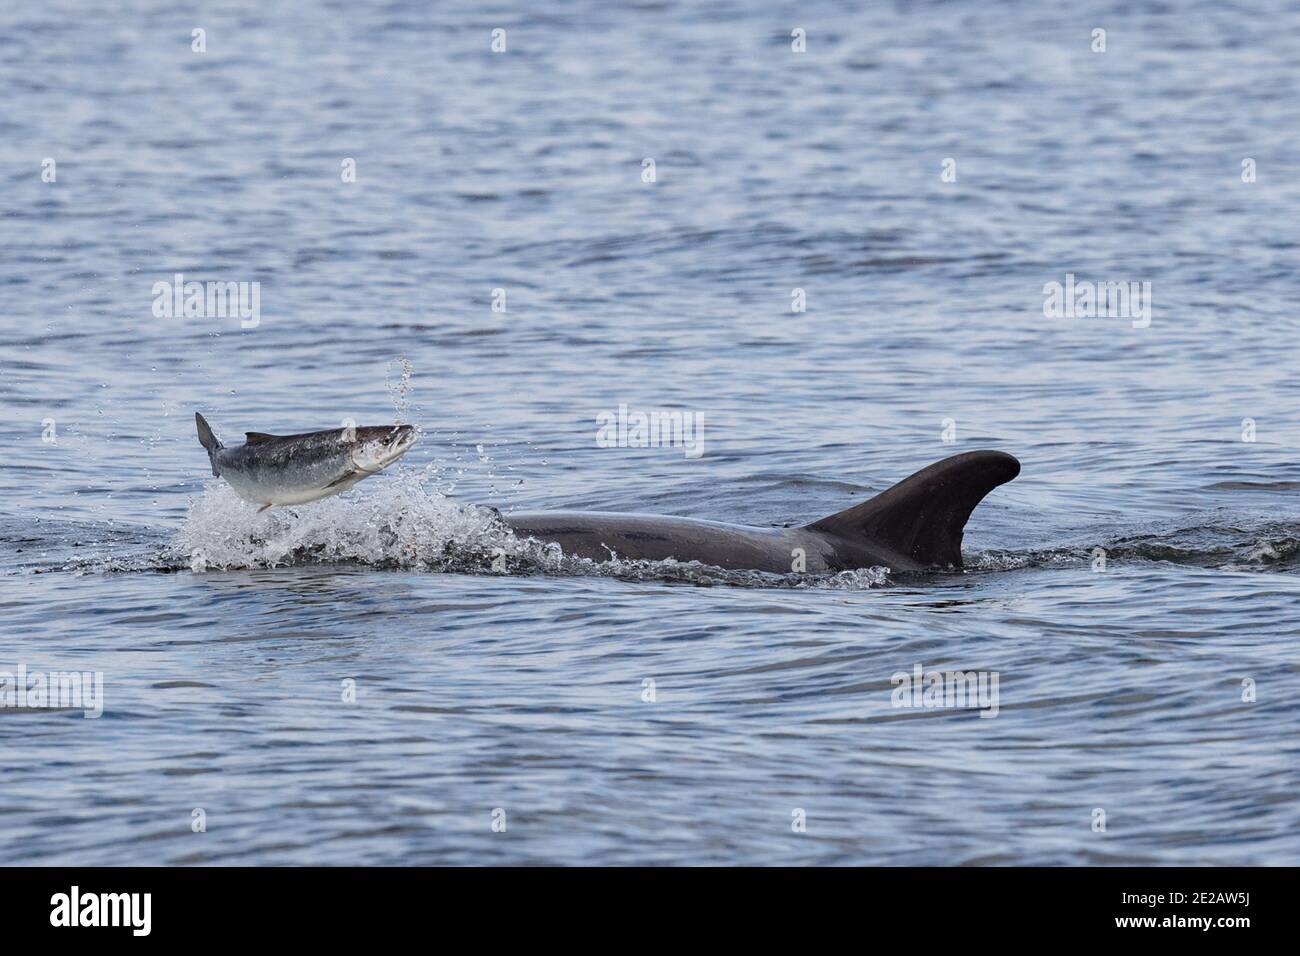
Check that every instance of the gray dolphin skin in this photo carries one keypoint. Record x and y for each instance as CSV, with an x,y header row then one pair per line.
x,y
293,469
915,525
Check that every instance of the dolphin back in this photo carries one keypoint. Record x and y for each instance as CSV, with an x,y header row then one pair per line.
x,y
209,441
923,516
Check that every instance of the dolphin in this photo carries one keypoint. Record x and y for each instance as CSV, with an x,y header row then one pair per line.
x,y
915,525
293,469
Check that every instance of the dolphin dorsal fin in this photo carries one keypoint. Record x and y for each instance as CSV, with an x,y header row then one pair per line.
x,y
256,438
922,517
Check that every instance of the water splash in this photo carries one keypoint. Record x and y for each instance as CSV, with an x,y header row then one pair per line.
x,y
398,524
400,390
402,524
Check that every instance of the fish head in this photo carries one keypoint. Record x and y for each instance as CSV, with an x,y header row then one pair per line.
x,y
378,446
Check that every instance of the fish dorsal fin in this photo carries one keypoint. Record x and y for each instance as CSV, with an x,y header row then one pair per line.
x,y
922,517
256,438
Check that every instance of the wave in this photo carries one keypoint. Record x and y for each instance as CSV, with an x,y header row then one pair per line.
x,y
1267,546
402,523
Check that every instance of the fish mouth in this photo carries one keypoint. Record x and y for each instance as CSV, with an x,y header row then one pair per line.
x,y
402,438
377,454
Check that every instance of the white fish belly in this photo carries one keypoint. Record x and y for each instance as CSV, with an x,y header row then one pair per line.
x,y
282,493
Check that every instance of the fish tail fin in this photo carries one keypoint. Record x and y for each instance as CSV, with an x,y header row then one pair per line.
x,y
208,441
923,516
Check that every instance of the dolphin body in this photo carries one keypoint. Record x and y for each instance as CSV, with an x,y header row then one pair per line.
x,y
293,469
915,525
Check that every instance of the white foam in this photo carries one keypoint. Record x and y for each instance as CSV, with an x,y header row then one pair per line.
x,y
399,522
395,522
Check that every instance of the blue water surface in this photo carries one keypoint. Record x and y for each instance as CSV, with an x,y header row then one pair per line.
x,y
351,682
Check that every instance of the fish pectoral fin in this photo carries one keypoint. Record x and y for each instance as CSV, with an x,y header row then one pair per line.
x,y
347,478
256,438
264,507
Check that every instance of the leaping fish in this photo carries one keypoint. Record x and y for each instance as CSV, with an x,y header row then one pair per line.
x,y
292,469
